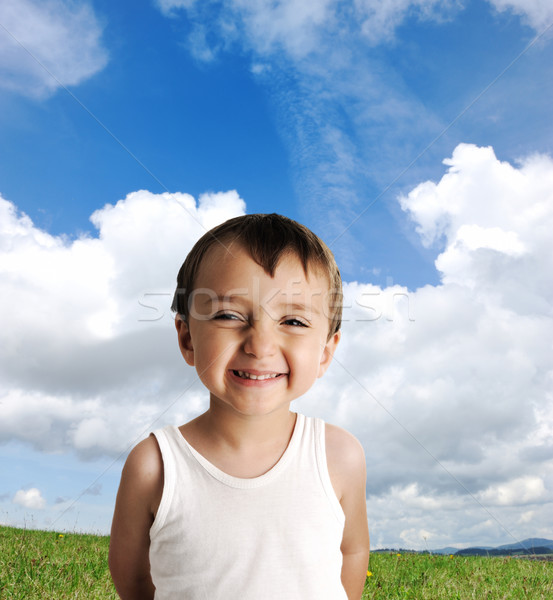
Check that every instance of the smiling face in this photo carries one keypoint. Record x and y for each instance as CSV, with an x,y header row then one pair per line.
x,y
257,342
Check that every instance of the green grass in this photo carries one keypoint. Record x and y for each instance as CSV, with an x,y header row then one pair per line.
x,y
43,565
434,577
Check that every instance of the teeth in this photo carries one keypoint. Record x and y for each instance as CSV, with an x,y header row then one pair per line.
x,y
246,375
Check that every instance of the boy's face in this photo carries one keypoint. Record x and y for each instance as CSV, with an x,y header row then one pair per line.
x,y
257,342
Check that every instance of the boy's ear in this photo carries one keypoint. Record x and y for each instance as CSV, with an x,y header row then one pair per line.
x,y
185,341
328,353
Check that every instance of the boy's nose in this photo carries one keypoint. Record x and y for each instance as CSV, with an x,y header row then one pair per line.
x,y
259,342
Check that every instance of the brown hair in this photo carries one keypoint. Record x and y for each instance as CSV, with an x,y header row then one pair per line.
x,y
267,238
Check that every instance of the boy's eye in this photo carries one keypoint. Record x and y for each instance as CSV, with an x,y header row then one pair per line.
x,y
295,323
226,317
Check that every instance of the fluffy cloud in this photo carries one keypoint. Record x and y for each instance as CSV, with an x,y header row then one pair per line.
x,y
298,27
517,492
537,13
290,25
379,20
47,44
496,238
88,337
448,387
31,498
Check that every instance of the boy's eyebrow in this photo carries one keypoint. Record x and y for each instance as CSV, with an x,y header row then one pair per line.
x,y
240,298
299,306
210,297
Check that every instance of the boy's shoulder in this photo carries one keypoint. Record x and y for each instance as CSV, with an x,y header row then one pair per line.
x,y
143,471
341,443
345,458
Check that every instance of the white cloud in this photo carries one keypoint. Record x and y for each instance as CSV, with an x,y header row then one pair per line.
x,y
169,7
526,517
45,44
290,25
297,27
494,220
88,335
517,492
448,386
31,498
413,537
537,13
379,19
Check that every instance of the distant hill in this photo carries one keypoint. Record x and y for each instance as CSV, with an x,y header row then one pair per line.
x,y
446,550
529,543
528,546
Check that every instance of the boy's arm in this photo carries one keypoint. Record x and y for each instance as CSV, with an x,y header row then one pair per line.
x,y
137,500
346,463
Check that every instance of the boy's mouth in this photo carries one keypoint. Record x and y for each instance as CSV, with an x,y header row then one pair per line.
x,y
246,375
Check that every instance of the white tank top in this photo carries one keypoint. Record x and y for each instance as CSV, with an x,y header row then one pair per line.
x,y
271,537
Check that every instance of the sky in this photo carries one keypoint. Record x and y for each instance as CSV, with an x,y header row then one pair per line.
x,y
414,136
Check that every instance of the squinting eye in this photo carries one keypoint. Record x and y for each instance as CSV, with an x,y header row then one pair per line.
x,y
226,317
295,323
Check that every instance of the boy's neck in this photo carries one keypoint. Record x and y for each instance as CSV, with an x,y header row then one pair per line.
x,y
240,432
240,445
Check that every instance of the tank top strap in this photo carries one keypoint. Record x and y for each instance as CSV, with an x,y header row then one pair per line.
x,y
166,445
315,436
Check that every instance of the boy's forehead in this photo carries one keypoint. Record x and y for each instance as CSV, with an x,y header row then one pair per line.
x,y
233,255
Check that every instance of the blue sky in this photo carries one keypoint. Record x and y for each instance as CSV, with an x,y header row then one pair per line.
x,y
340,115
199,125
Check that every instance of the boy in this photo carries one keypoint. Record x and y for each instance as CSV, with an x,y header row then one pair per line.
x,y
249,500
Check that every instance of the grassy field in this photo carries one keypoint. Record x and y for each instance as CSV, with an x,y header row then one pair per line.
x,y
47,565
435,577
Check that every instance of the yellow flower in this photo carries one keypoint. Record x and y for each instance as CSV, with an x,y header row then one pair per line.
x,y
369,574
398,554
451,556
60,535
